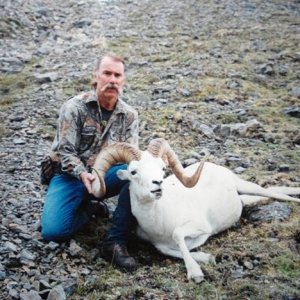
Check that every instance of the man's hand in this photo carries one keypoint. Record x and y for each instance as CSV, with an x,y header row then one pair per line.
x,y
87,179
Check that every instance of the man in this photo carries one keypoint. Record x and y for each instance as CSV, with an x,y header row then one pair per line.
x,y
88,123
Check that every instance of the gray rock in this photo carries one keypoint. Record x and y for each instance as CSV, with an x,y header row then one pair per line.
x,y
206,130
52,246
239,170
44,285
31,295
166,65
46,77
3,275
203,152
19,141
27,255
74,248
271,165
69,286
284,168
293,111
13,293
43,50
189,162
249,265
82,23
259,45
238,273
266,69
222,130
185,93
233,84
161,101
295,91
18,228
57,293
283,70
11,246
44,11
266,213
248,129
10,61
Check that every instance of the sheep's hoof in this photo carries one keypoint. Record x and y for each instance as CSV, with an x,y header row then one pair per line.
x,y
212,260
198,279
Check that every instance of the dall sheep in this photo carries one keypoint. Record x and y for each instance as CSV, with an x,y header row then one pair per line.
x,y
179,213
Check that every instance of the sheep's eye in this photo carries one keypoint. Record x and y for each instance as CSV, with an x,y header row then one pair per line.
x,y
133,172
164,169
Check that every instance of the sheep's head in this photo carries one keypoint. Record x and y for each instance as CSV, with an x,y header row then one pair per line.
x,y
145,176
146,168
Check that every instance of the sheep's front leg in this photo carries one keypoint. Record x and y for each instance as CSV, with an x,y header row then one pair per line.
x,y
193,269
142,234
198,256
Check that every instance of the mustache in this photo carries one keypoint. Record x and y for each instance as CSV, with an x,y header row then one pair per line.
x,y
112,86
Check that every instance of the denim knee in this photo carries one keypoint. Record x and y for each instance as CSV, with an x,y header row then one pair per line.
x,y
63,212
52,232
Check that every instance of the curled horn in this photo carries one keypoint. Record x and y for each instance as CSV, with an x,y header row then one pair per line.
x,y
161,148
109,156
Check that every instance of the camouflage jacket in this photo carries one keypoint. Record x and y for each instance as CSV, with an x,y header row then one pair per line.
x,y
82,133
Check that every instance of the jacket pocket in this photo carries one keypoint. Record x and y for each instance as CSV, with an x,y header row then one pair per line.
x,y
87,138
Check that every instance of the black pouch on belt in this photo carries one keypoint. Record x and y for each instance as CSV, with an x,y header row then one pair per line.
x,y
48,168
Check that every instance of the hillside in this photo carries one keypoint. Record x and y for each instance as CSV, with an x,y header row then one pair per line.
x,y
212,77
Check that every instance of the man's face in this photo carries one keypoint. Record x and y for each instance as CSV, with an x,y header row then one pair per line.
x,y
110,79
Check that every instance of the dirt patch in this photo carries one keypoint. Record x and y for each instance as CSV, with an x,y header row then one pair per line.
x,y
192,66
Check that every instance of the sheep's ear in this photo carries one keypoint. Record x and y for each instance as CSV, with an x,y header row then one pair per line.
x,y
123,174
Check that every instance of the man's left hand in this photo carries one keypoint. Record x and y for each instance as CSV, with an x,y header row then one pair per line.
x,y
87,179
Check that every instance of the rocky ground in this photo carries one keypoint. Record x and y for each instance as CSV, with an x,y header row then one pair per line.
x,y
212,77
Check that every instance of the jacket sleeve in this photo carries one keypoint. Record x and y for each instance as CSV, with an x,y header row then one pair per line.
x,y
132,130
68,140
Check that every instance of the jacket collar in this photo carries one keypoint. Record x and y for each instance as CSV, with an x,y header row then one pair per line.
x,y
92,98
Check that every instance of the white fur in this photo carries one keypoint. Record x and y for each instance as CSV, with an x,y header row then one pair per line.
x,y
180,219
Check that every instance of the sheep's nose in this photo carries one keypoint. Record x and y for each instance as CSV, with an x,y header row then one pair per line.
x,y
157,182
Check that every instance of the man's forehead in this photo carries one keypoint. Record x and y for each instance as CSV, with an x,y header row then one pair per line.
x,y
109,63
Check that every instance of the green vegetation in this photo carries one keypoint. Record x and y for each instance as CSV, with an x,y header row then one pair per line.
x,y
215,52
12,85
288,265
73,87
15,85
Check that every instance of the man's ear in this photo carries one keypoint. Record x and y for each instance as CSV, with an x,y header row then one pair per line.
x,y
94,80
122,174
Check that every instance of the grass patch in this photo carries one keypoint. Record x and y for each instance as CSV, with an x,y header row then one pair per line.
x,y
14,86
287,265
75,86
3,131
11,84
48,132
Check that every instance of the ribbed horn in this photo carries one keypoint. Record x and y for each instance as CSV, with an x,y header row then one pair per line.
x,y
109,156
161,148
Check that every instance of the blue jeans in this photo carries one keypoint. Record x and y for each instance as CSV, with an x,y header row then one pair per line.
x,y
64,209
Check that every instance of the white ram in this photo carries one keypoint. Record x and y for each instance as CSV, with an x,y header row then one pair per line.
x,y
175,217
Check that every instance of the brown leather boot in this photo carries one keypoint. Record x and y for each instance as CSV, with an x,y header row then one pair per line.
x,y
118,256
